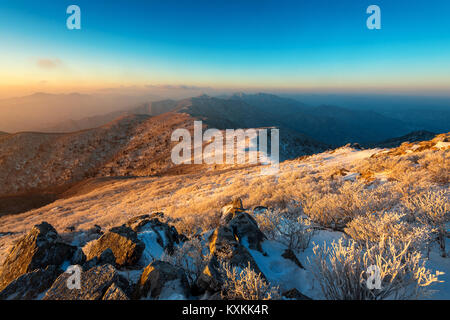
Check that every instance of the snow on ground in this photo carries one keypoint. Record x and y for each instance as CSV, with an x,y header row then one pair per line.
x,y
442,145
153,250
285,273
172,290
438,263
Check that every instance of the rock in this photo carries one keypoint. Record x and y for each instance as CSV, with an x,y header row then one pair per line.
x,y
94,284
78,257
136,223
237,203
216,296
157,276
259,210
167,236
244,226
229,211
29,285
295,294
221,238
107,257
290,255
41,247
70,229
124,244
97,229
224,245
91,263
210,279
353,145
115,293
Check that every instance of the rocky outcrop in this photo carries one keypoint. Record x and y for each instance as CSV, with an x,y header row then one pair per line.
x,y
37,259
160,275
30,285
229,211
245,227
95,283
40,248
122,242
166,235
224,245
115,293
78,257
242,223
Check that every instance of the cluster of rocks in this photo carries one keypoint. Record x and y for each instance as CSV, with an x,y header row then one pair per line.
x,y
35,267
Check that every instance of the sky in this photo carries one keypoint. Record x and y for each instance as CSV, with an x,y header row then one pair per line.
x,y
314,45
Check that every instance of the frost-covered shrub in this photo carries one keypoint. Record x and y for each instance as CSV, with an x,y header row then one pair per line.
x,y
194,224
287,227
192,256
438,166
432,208
372,228
351,200
342,269
246,284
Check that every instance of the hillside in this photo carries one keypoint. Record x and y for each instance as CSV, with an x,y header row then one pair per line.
x,y
38,167
128,145
344,194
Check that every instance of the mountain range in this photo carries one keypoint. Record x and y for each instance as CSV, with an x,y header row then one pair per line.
x,y
136,141
332,125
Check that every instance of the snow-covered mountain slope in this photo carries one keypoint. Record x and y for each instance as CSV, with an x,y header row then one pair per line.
x,y
203,192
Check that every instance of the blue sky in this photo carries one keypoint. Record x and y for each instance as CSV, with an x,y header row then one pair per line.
x,y
304,45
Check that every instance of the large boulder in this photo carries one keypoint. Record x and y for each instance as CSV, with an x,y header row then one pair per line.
x,y
245,227
224,246
162,280
114,292
124,244
229,211
30,285
166,235
95,283
40,248
242,223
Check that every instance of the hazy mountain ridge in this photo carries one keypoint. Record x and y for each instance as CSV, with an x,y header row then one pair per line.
x,y
329,124
415,136
431,113
326,123
41,110
148,108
